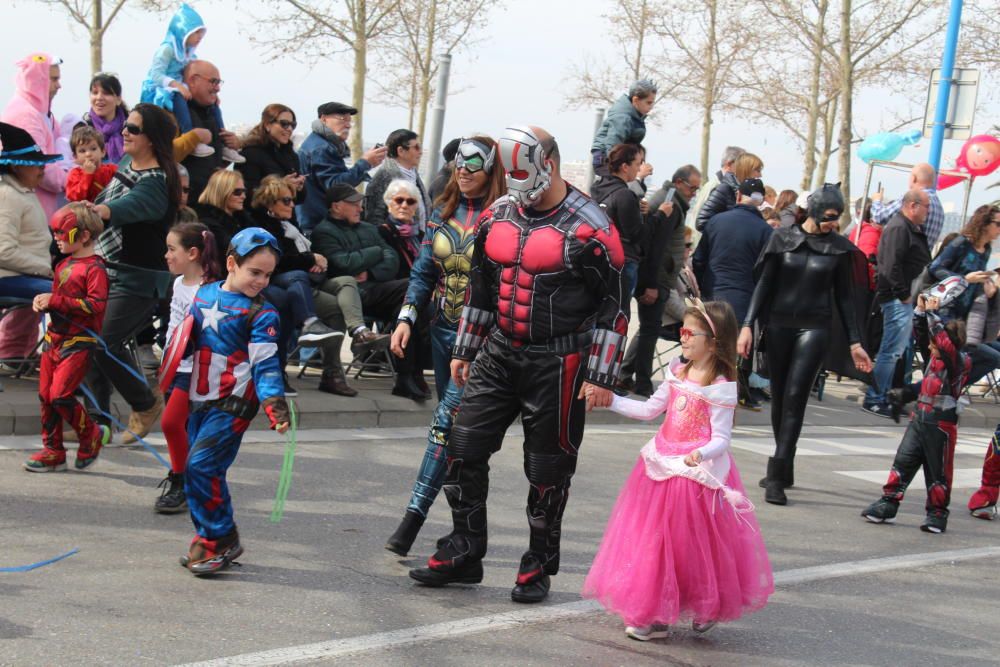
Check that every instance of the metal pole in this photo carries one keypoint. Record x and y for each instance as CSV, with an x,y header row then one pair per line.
x,y
598,120
946,82
433,144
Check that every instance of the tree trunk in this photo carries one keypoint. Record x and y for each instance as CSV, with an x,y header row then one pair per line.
x,y
812,113
96,39
425,73
829,121
846,112
358,98
709,99
636,71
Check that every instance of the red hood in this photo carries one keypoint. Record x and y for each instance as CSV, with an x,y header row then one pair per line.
x,y
32,80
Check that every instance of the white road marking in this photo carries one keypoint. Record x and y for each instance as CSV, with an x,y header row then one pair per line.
x,y
495,622
962,478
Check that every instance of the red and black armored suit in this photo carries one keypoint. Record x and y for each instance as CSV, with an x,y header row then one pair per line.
x,y
543,314
79,297
930,436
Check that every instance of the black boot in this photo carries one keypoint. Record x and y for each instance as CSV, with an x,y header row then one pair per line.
x,y
402,539
172,500
532,583
458,560
789,476
774,492
407,387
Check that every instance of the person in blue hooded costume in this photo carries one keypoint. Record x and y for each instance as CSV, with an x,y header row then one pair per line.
x,y
164,84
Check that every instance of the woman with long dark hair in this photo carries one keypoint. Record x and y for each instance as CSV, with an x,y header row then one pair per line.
x,y
138,207
441,272
805,275
108,113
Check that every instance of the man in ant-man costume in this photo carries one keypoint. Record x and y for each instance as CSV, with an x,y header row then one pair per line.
x,y
543,317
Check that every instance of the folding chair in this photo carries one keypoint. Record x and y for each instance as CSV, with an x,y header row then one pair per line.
x,y
377,363
29,363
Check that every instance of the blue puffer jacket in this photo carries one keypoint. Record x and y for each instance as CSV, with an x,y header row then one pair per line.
x,y
623,125
321,161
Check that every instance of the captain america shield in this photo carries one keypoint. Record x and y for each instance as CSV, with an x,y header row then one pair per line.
x,y
175,352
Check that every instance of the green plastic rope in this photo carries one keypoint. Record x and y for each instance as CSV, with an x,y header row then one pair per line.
x,y
285,481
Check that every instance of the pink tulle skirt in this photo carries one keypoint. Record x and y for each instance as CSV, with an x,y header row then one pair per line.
x,y
676,550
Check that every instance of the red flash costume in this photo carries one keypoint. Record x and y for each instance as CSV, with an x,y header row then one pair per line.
x,y
79,297
543,314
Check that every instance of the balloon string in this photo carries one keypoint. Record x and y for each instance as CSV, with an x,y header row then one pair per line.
x,y
285,481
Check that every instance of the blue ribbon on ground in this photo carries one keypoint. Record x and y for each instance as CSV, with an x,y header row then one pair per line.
x,y
41,563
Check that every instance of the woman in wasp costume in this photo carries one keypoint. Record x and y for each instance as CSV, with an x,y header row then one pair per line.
x,y
441,272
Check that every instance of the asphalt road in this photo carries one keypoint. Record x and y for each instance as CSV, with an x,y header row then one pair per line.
x,y
318,587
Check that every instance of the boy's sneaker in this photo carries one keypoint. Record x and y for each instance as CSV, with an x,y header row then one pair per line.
x,y
983,503
882,510
877,409
936,522
290,391
315,332
203,150
87,456
234,156
201,562
46,460
646,632
172,500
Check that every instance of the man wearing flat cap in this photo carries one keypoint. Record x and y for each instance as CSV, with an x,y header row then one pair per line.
x,y
322,161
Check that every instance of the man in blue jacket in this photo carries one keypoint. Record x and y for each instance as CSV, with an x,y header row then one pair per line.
x,y
724,261
322,161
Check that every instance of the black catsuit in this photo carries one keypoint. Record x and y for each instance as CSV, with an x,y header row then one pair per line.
x,y
802,278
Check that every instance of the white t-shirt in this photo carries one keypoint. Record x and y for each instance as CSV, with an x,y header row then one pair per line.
x,y
180,304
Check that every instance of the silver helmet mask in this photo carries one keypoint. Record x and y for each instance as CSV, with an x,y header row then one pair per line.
x,y
473,156
523,160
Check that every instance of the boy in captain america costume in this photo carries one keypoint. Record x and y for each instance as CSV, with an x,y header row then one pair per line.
x,y
543,319
234,371
77,302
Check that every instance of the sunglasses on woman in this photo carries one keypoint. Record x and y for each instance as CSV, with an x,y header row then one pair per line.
x,y
286,124
132,128
287,201
409,201
237,192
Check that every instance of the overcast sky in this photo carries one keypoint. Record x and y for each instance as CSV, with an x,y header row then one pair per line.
x,y
515,74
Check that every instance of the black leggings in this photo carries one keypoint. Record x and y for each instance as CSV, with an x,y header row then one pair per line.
x,y
794,359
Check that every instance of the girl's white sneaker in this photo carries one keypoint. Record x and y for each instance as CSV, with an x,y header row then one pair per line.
x,y
646,632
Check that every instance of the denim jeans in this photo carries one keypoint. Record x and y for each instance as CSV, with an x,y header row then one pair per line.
x,y
985,357
183,114
24,287
897,327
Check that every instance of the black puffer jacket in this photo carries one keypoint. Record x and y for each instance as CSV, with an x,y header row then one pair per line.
x,y
265,159
622,206
721,199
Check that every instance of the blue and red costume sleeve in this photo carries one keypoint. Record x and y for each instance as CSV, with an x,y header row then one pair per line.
x,y
602,259
264,365
479,312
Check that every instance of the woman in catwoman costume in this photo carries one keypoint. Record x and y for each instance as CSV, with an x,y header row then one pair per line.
x,y
805,282
442,270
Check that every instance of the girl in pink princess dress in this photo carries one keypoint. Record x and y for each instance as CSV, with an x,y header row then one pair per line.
x,y
682,541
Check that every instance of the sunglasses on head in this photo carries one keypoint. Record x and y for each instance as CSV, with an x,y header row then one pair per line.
x,y
239,191
409,201
286,124
132,128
